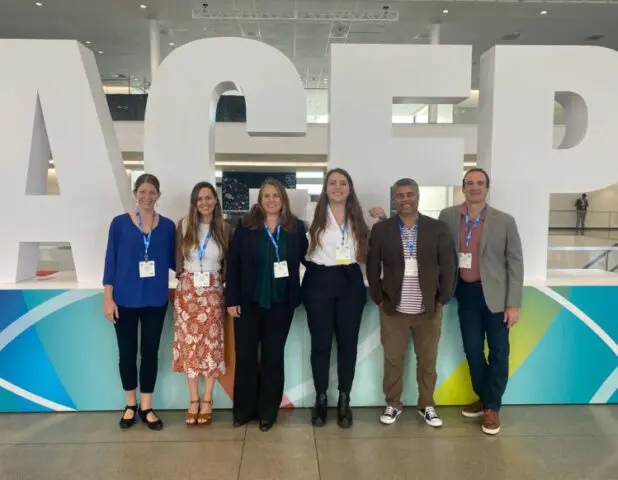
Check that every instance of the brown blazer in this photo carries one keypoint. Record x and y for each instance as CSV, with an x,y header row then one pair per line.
x,y
180,257
437,263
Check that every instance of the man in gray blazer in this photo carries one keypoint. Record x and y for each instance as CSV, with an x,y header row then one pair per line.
x,y
489,292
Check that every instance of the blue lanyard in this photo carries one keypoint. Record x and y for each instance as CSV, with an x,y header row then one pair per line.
x,y
414,231
474,225
201,250
141,229
342,229
274,242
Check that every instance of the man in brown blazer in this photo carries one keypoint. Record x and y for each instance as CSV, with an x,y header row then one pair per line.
x,y
411,269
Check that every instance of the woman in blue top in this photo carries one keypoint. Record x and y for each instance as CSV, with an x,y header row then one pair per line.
x,y
140,253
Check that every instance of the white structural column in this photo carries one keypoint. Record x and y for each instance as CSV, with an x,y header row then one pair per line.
x,y
434,39
155,45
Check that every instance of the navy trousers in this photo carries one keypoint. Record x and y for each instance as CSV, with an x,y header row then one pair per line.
x,y
489,375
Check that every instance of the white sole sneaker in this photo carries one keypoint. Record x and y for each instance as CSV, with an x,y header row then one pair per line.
x,y
435,423
490,431
390,420
472,415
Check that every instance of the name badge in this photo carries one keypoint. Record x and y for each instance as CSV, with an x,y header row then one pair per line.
x,y
343,254
465,260
411,268
281,269
201,279
146,269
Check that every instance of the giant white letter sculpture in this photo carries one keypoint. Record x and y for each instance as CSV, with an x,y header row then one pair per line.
x,y
52,106
518,88
180,117
365,81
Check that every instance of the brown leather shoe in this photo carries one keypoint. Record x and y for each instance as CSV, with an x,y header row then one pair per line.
x,y
474,410
491,422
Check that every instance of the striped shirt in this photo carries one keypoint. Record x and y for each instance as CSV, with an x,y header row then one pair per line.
x,y
411,297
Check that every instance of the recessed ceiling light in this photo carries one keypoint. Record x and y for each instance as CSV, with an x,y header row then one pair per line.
x,y
100,52
87,42
38,4
172,44
445,11
142,6
543,12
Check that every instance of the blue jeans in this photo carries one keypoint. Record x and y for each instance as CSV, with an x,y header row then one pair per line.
x,y
489,376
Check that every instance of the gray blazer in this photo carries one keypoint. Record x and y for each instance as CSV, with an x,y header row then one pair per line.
x,y
501,262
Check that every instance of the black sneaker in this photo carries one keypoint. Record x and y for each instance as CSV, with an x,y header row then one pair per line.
x,y
431,416
390,415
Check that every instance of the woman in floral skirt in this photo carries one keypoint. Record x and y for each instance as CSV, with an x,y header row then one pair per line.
x,y
202,242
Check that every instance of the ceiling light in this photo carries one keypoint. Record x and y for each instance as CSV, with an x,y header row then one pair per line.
x,y
445,12
100,52
143,7
172,44
543,12
87,42
38,4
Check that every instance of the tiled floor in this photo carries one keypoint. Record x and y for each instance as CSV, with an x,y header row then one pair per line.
x,y
558,442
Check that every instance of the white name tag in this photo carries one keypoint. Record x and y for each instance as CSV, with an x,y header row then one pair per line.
x,y
411,269
465,260
146,269
343,254
281,269
201,279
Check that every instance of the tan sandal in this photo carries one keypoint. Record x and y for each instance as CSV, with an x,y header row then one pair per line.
x,y
205,418
191,418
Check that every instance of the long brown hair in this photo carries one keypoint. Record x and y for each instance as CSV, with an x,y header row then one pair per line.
x,y
255,217
218,226
353,213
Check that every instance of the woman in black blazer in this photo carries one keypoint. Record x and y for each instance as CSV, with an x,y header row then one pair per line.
x,y
262,290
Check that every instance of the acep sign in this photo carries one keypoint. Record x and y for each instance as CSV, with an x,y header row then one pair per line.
x,y
52,106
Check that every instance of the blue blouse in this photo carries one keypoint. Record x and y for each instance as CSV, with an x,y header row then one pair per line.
x,y
125,249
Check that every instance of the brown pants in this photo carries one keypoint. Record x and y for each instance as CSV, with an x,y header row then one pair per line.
x,y
395,333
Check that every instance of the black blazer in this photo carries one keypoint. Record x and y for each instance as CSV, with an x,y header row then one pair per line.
x,y
436,256
242,264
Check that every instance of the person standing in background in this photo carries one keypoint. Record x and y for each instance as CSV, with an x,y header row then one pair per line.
x,y
581,209
411,270
140,254
489,292
202,240
333,290
262,291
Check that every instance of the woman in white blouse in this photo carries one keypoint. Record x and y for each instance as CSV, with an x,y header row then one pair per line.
x,y
202,243
333,290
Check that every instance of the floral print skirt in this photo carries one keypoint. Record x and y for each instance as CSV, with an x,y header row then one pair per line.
x,y
199,314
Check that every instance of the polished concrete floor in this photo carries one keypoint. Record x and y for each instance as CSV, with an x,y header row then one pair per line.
x,y
557,442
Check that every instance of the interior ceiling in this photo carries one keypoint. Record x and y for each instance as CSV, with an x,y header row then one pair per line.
x,y
119,28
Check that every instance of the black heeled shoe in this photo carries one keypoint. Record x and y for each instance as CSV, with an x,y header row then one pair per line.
x,y
344,412
266,425
319,411
126,423
156,425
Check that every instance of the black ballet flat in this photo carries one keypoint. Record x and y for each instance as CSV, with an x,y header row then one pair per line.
x,y
156,425
266,425
240,423
126,423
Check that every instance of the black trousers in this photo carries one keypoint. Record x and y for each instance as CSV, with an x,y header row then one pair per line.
x,y
258,388
334,298
489,376
150,320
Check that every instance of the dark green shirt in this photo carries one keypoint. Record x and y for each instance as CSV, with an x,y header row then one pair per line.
x,y
268,289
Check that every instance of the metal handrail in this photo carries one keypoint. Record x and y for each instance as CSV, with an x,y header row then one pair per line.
x,y
599,257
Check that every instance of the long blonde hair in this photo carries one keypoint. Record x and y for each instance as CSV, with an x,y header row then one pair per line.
x,y
217,225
